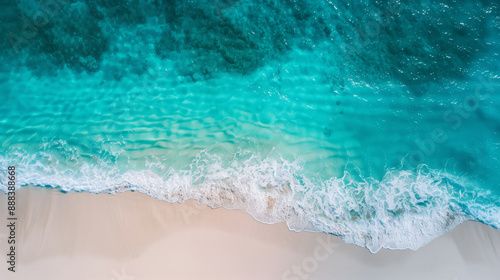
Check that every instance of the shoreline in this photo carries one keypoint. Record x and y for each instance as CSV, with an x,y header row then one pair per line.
x,y
132,236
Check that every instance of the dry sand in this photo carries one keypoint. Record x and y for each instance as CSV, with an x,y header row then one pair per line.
x,y
132,236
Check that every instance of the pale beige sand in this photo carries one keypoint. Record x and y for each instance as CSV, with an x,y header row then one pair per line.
x,y
131,236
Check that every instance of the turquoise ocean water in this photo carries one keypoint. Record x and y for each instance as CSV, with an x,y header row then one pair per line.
x,y
377,121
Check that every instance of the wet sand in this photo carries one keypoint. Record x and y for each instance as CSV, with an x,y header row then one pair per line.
x,y
132,236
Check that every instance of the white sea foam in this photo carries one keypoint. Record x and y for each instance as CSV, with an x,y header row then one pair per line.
x,y
406,209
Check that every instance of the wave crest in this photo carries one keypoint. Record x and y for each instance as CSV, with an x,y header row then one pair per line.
x,y
406,209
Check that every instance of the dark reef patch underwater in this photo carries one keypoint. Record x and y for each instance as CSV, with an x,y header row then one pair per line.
x,y
377,121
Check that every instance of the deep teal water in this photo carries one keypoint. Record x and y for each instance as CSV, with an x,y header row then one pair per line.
x,y
375,121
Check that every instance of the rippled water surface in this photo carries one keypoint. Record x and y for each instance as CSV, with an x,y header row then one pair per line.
x,y
375,122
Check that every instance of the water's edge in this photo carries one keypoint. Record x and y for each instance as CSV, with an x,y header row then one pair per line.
x,y
404,210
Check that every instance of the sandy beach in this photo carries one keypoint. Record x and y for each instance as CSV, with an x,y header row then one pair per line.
x,y
132,236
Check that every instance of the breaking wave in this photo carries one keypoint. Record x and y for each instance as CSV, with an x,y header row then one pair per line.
x,y
405,209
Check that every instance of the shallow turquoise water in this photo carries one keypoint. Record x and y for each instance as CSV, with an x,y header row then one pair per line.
x,y
375,122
